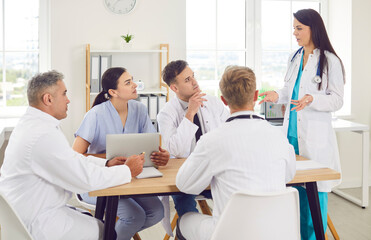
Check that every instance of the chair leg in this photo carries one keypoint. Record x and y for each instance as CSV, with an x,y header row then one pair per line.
x,y
173,224
136,237
332,228
204,207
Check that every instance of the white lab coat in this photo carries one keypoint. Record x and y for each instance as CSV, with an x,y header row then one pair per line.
x,y
178,133
316,137
40,171
244,154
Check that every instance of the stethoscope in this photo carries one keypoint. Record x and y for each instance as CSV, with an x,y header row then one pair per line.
x,y
249,116
317,78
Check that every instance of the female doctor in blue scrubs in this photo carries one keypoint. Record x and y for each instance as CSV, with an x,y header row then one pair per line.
x,y
314,87
115,111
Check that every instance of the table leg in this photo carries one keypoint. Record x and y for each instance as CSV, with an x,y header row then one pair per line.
x,y
99,207
365,165
109,224
312,193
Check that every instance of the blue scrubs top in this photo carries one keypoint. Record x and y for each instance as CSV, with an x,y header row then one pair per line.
x,y
292,133
103,119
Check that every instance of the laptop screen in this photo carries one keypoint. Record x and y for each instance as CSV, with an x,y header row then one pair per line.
x,y
274,111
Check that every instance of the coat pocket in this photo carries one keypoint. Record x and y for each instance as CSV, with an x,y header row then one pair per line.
x,y
317,135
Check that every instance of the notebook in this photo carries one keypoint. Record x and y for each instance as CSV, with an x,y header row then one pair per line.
x,y
134,144
274,113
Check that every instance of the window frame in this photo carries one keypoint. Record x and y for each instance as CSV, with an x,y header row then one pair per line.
x,y
43,52
253,45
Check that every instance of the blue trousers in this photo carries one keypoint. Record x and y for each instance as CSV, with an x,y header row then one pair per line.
x,y
135,214
186,203
306,223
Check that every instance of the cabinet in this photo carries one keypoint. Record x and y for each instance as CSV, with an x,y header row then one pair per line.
x,y
145,65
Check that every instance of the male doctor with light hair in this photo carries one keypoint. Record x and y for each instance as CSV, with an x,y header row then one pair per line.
x,y
245,153
41,170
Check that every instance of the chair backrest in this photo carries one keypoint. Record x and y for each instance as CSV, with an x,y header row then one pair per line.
x,y
86,205
260,216
11,225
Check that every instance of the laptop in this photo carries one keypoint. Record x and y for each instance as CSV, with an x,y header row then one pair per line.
x,y
134,144
274,113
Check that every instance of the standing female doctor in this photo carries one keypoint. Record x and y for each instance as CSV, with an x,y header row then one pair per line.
x,y
314,87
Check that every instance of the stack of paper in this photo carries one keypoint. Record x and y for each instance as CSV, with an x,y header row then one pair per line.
x,y
309,164
149,172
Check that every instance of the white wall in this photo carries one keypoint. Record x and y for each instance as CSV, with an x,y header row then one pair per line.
x,y
340,33
350,143
76,23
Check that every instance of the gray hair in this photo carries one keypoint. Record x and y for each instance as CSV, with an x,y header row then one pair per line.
x,y
39,83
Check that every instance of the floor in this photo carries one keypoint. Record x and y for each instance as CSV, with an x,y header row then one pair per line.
x,y
351,222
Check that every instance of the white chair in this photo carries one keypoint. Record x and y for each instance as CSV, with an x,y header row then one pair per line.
x,y
91,208
86,205
205,209
260,216
11,226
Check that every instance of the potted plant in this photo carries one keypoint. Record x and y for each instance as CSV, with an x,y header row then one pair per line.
x,y
127,38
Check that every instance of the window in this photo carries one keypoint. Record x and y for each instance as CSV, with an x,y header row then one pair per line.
x,y
215,39
277,40
253,33
20,51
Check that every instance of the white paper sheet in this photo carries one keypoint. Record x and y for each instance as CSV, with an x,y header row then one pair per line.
x,y
308,164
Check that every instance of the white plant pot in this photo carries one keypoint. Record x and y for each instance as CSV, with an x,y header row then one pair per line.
x,y
127,45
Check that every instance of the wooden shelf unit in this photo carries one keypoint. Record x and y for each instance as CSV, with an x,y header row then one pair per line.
x,y
163,88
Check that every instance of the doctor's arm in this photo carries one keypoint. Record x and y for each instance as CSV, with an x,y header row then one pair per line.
x,y
160,158
55,161
176,139
80,145
195,174
86,134
279,96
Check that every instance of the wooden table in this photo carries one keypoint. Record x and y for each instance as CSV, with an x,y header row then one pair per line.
x,y
108,198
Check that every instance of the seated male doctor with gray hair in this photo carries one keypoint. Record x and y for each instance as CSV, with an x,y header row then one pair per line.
x,y
234,156
41,170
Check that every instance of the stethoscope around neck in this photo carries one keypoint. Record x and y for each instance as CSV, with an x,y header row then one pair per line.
x,y
317,78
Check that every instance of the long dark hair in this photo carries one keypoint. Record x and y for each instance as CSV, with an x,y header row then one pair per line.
x,y
109,81
311,18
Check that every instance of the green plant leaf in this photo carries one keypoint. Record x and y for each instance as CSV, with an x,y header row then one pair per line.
x,y
128,37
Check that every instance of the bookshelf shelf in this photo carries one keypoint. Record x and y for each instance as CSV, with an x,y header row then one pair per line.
x,y
127,51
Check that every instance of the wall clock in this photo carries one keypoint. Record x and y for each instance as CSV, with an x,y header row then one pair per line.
x,y
120,6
